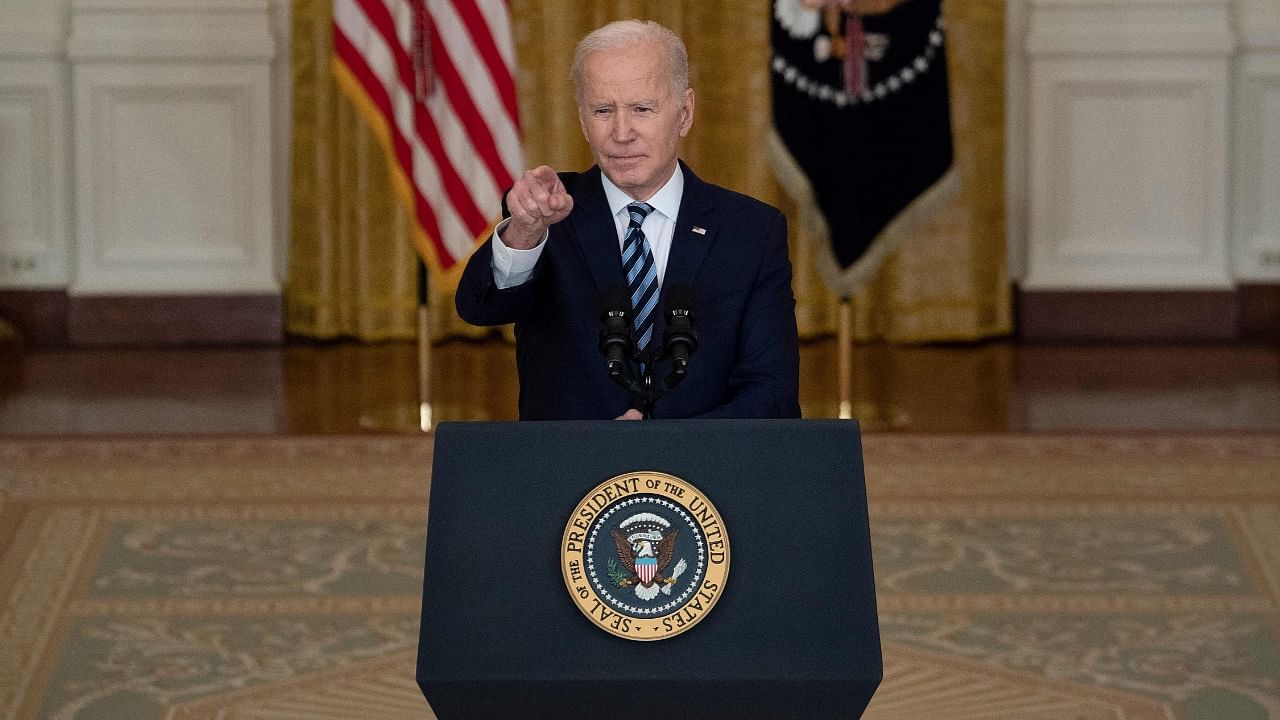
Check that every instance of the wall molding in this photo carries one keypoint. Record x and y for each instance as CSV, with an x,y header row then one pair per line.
x,y
171,30
1119,27
35,236
30,44
1256,168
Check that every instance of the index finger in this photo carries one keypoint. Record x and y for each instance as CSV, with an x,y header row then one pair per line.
x,y
547,178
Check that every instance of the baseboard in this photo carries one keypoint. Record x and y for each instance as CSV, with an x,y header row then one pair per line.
x,y
176,320
1250,313
39,316
1260,313
51,319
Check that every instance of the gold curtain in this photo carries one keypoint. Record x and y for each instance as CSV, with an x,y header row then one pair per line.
x,y
352,269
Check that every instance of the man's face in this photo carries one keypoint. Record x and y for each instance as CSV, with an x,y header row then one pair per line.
x,y
631,117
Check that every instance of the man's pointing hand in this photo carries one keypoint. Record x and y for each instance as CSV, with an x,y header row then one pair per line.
x,y
536,201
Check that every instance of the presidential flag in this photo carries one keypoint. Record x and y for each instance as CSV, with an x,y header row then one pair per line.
x,y
862,125
435,81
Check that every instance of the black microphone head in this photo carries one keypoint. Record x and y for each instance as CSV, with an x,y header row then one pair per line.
x,y
615,301
615,325
679,338
680,301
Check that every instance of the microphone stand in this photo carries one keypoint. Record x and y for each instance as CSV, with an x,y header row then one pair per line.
x,y
650,398
642,389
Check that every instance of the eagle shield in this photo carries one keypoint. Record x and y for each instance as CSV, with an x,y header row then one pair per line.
x,y
645,551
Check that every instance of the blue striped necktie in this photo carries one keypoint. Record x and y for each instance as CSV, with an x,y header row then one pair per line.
x,y
642,275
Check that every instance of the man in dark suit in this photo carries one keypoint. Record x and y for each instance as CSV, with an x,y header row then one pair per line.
x,y
638,224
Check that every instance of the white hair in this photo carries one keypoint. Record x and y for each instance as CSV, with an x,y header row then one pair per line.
x,y
630,33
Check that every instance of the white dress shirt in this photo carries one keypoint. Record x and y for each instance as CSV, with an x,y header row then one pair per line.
x,y
513,267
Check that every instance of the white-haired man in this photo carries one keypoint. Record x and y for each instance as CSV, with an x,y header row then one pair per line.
x,y
639,222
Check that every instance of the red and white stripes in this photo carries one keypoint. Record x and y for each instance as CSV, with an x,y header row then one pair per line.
x,y
458,148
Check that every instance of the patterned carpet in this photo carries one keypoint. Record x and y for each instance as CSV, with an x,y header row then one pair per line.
x,y
1030,577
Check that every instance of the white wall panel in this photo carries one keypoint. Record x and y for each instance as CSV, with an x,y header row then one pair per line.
x,y
34,236
173,172
174,154
1127,145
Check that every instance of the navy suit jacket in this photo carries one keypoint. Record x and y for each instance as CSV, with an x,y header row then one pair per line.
x,y
747,361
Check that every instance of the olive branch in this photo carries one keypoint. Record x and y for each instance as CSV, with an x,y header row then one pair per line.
x,y
616,575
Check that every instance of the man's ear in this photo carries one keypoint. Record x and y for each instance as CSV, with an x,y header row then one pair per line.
x,y
686,112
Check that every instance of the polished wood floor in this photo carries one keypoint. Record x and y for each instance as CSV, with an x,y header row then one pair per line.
x,y
338,388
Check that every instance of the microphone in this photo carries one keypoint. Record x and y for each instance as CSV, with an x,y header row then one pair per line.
x,y
680,339
615,330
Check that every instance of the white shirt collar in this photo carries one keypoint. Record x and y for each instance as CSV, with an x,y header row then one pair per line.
x,y
665,201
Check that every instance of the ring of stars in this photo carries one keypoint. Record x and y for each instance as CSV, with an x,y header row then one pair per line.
x,y
699,568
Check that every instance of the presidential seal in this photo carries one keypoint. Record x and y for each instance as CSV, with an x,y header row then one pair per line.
x,y
645,556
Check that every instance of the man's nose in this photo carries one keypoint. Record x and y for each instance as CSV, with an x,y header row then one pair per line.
x,y
622,127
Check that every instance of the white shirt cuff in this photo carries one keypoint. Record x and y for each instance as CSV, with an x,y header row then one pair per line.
x,y
512,267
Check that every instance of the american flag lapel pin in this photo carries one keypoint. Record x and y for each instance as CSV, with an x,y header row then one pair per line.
x,y
700,230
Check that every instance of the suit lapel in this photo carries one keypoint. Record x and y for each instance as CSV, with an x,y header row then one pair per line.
x,y
595,231
690,241
694,233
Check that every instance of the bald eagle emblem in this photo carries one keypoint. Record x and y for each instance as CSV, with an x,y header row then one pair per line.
x,y
646,545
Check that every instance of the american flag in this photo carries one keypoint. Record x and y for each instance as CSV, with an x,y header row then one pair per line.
x,y
435,81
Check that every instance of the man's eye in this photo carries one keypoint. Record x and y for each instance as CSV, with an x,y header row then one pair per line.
x,y
602,111
644,110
